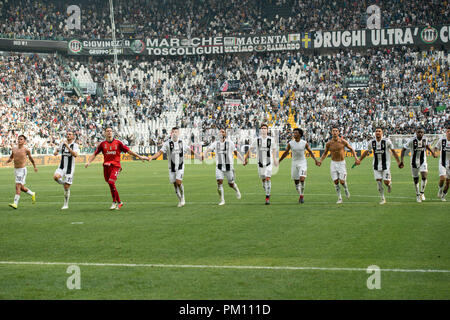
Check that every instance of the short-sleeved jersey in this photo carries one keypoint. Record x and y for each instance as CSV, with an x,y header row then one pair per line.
x,y
298,151
381,153
443,145
111,152
67,160
224,151
418,151
175,151
264,149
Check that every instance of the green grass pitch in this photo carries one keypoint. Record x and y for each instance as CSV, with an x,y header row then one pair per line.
x,y
150,229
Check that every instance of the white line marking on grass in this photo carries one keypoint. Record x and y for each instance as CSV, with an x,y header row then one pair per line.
x,y
132,265
252,194
76,222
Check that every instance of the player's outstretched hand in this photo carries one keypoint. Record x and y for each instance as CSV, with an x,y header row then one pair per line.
x,y
35,169
86,165
245,162
401,165
318,163
357,162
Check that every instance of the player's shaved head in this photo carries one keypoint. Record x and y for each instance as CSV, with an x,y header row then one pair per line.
x,y
22,136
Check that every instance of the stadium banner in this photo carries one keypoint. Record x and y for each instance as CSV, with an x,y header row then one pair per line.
x,y
33,45
365,38
314,40
193,46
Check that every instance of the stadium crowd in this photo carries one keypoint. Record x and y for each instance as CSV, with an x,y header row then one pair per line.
x,y
406,88
47,19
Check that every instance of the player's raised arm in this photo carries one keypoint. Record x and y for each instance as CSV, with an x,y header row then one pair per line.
x,y
56,152
31,160
285,153
325,153
310,152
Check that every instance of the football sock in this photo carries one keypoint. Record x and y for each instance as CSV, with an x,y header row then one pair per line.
x,y
112,188
30,192
345,186
177,192
268,187
66,196
380,188
338,190
423,185
302,187
220,190
181,188
16,199
298,188
416,186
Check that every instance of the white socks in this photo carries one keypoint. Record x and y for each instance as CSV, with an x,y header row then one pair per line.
x,y
380,188
66,197
300,187
220,191
416,186
30,192
235,187
181,188
338,190
267,187
423,185
177,191
16,199
345,187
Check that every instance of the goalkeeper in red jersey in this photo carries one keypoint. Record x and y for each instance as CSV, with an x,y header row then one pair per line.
x,y
111,149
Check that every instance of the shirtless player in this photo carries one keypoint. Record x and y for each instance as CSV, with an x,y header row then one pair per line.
x,y
19,155
336,146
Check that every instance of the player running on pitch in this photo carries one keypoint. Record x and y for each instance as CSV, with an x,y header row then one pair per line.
x,y
299,163
443,146
382,148
175,148
111,149
224,149
418,146
266,148
64,173
19,156
336,146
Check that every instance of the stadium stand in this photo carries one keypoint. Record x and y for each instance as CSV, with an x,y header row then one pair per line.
x,y
405,86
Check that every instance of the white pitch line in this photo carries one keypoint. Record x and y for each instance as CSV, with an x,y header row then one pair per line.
x,y
129,265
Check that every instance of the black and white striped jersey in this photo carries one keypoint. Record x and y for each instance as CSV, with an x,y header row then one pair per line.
x,y
175,151
418,151
443,146
264,148
67,163
381,153
224,151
